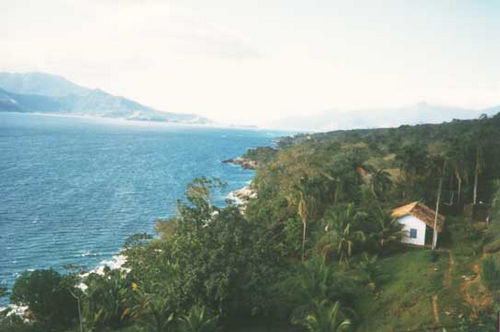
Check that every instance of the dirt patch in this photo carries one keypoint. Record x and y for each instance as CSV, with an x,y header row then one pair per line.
x,y
449,272
435,311
481,298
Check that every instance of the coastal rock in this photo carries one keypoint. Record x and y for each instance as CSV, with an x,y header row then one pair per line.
x,y
242,196
245,163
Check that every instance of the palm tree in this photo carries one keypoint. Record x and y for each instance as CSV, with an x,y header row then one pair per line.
x,y
154,306
102,302
460,171
479,135
304,202
154,311
389,231
495,201
313,280
325,317
478,168
341,238
438,164
197,320
380,182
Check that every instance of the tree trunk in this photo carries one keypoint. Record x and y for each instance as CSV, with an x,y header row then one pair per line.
x,y
452,195
476,176
438,201
304,229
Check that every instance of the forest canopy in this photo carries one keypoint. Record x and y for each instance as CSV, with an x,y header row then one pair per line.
x,y
316,250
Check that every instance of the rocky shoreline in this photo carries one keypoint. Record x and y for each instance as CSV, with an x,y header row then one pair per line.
x,y
243,196
245,163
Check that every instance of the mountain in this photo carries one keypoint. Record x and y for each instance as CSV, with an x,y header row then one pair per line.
x,y
40,84
376,118
13,102
46,93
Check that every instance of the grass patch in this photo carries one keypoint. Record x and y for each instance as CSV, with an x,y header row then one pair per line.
x,y
405,299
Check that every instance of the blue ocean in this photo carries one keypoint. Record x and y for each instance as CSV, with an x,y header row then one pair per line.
x,y
73,189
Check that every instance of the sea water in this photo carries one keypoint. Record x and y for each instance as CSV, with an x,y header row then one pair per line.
x,y
73,189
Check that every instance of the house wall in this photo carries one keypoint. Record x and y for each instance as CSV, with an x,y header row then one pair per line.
x,y
410,222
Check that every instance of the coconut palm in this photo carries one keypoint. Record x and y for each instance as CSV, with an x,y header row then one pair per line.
x,y
304,201
326,317
380,182
388,231
478,168
315,280
154,311
458,159
155,308
197,320
340,236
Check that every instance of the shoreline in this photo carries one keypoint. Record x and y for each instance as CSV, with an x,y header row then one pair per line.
x,y
243,162
242,197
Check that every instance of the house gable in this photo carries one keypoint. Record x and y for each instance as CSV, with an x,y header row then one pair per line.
x,y
414,230
421,212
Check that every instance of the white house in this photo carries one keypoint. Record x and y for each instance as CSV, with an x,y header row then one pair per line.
x,y
415,218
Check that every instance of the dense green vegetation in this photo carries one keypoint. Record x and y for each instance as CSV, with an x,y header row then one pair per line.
x,y
317,249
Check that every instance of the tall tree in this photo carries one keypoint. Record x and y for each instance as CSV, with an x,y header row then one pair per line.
x,y
340,235
304,201
478,168
438,162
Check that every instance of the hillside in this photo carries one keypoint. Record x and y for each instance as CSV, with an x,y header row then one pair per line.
x,y
316,250
40,92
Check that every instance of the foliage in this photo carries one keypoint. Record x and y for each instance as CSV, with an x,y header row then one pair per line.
x,y
3,290
314,281
325,317
261,155
48,298
491,274
197,320
341,235
14,323
103,302
324,198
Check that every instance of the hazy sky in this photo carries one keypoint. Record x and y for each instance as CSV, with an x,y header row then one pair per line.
x,y
256,61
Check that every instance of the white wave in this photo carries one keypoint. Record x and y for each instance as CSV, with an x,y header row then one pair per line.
x,y
116,262
234,198
87,253
17,310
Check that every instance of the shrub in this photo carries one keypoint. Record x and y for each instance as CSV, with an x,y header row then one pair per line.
x,y
433,256
43,291
198,319
14,323
491,274
492,247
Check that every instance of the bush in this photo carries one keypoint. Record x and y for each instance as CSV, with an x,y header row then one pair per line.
x,y
14,323
433,256
491,274
50,302
492,247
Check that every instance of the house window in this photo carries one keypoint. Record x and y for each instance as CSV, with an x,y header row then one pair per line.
x,y
413,233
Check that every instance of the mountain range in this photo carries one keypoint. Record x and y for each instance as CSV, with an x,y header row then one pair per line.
x,y
46,93
384,117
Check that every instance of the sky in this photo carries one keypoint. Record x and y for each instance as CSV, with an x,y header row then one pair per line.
x,y
254,62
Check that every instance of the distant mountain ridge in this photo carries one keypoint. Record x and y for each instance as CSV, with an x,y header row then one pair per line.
x,y
46,93
384,117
